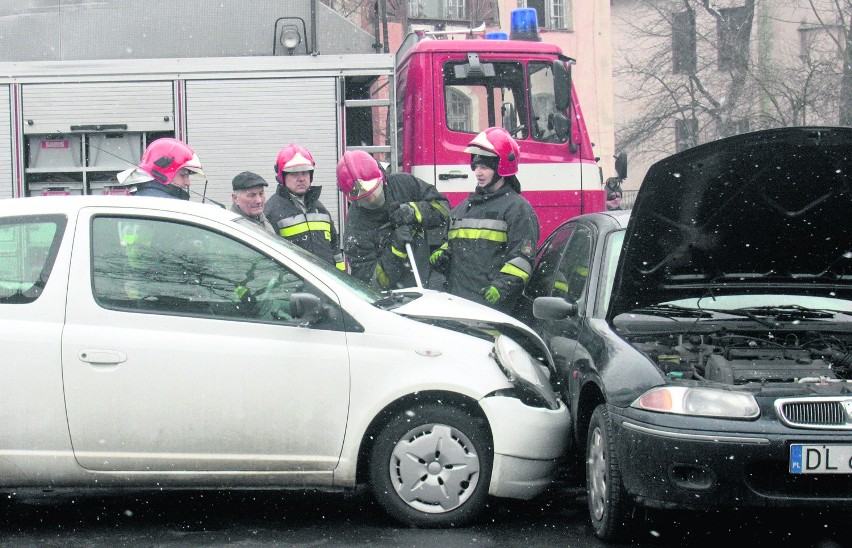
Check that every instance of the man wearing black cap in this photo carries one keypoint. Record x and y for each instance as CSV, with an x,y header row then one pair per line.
x,y
249,198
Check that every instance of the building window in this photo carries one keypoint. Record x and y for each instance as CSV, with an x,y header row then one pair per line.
x,y
458,111
552,14
683,43
732,33
727,128
686,133
437,9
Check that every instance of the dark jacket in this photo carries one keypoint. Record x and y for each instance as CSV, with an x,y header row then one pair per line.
x,y
159,190
310,228
260,222
492,241
368,234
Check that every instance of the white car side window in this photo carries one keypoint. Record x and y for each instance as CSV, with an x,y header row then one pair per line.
x,y
165,267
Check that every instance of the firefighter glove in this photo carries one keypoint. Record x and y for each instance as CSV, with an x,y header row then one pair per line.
x,y
403,234
403,215
491,294
437,257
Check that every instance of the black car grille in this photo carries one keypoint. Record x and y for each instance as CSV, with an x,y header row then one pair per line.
x,y
816,413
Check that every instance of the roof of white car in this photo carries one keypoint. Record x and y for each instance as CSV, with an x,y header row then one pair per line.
x,y
68,205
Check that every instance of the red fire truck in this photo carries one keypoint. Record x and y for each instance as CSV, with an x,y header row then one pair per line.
x,y
79,110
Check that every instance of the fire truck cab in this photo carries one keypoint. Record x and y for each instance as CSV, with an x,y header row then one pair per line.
x,y
450,90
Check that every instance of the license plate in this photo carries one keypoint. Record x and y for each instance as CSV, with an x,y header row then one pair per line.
x,y
820,459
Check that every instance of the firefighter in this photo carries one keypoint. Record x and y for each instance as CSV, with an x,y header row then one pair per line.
x,y
388,212
493,232
295,210
165,171
249,198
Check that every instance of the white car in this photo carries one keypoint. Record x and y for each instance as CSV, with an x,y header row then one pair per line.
x,y
154,343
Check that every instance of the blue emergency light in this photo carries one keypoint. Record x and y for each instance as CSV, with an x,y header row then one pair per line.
x,y
525,25
497,35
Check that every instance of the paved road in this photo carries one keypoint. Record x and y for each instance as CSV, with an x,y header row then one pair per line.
x,y
314,518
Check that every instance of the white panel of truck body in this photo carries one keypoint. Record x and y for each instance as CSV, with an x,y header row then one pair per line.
x,y
239,125
5,143
55,108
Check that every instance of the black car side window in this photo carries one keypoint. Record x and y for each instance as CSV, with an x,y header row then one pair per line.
x,y
546,262
573,272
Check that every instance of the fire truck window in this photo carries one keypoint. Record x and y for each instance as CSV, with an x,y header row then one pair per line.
x,y
162,267
543,103
474,102
28,247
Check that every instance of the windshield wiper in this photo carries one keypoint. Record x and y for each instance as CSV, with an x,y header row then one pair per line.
x,y
791,311
393,299
672,310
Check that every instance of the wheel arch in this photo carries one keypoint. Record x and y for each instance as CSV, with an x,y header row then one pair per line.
x,y
591,395
392,409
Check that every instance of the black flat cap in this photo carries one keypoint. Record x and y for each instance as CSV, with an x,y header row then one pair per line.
x,y
247,179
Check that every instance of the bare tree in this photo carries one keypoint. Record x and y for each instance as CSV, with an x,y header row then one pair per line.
x,y
701,72
835,17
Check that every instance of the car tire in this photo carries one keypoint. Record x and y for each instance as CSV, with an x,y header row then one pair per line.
x,y
431,465
610,508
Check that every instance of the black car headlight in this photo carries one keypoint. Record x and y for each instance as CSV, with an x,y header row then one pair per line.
x,y
527,375
701,402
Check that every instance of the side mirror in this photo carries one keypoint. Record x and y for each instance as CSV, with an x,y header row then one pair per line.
x,y
509,117
305,307
553,308
561,86
560,125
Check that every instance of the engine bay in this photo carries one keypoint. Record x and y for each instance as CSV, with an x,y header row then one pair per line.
x,y
739,357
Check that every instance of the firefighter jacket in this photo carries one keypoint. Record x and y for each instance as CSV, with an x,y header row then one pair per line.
x,y
492,242
159,190
260,222
369,233
309,226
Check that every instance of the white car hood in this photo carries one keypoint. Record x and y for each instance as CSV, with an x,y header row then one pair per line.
x,y
436,305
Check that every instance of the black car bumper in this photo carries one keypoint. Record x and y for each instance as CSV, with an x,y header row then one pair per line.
x,y
665,466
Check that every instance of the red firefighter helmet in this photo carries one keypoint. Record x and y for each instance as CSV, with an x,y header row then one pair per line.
x,y
166,156
358,174
291,159
496,141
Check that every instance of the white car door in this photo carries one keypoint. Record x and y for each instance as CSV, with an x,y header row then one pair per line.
x,y
178,354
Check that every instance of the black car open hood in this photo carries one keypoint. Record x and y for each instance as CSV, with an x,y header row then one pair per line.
x,y
763,212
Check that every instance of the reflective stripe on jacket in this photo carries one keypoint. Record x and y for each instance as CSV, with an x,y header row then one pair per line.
x,y
311,229
492,241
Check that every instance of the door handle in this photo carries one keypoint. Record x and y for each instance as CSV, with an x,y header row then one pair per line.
x,y
451,175
102,357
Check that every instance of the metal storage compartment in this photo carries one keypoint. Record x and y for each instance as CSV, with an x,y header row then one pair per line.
x,y
58,152
56,188
114,150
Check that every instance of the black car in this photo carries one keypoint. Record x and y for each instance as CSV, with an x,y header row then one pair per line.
x,y
704,339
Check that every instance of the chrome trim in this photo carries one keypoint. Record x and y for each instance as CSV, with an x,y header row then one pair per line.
x,y
694,437
820,412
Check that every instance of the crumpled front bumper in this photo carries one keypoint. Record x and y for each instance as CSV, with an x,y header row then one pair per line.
x,y
528,442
